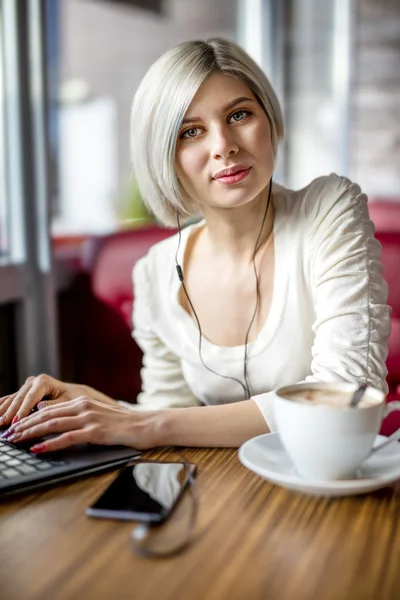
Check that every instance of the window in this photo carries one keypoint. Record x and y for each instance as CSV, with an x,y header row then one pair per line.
x,y
104,50
317,88
305,46
25,273
3,206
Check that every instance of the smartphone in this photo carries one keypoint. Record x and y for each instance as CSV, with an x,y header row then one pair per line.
x,y
144,491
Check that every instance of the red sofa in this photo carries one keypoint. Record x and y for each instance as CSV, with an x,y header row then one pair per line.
x,y
101,348
95,314
385,214
391,262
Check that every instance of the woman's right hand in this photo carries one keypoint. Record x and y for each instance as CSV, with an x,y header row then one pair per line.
x,y
15,406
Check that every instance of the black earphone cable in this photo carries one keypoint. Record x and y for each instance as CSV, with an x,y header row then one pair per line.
x,y
245,386
245,369
180,275
139,535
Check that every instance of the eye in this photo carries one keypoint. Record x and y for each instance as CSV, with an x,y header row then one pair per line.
x,y
189,133
239,115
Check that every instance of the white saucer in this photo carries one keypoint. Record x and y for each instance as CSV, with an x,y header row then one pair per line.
x,y
266,456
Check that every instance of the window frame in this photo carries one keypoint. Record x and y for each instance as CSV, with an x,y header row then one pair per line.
x,y
26,274
261,31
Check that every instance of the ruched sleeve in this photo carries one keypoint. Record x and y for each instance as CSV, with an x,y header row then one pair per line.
x,y
163,384
352,322
352,319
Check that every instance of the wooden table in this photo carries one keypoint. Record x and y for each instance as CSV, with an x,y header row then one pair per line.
x,y
255,541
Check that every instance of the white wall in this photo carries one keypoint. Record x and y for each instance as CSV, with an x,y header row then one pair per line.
x,y
111,46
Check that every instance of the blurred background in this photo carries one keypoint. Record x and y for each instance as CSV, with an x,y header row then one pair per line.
x,y
68,72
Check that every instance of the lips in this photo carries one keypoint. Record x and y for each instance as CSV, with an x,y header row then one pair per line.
x,y
233,178
231,171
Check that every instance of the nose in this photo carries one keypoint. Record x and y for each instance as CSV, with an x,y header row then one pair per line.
x,y
223,144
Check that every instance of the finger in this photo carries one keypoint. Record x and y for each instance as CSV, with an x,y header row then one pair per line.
x,y
4,407
42,386
4,399
80,407
48,427
60,411
48,403
62,441
18,398
5,402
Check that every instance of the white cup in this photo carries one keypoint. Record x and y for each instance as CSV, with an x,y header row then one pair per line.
x,y
330,442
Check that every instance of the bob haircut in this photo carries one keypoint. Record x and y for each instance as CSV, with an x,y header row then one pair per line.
x,y
160,104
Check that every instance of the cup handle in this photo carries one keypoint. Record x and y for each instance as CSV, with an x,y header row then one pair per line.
x,y
390,407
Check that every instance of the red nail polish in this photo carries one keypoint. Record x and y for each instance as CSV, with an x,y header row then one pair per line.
x,y
38,448
15,419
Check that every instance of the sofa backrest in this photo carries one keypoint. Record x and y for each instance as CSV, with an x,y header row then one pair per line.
x,y
391,271
385,214
110,260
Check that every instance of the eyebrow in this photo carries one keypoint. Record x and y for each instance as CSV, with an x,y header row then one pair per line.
x,y
231,104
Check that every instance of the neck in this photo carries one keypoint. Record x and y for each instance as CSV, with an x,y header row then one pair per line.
x,y
234,232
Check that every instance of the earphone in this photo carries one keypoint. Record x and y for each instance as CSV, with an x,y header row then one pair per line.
x,y
244,385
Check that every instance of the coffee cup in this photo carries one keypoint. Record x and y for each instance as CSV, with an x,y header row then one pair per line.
x,y
324,436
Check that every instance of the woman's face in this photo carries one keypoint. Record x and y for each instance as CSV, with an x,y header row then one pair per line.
x,y
224,128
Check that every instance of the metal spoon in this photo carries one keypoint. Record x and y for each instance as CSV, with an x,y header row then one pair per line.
x,y
358,394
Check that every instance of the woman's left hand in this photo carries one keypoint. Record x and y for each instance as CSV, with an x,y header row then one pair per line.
x,y
84,420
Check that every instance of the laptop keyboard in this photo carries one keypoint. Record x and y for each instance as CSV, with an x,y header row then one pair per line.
x,y
16,462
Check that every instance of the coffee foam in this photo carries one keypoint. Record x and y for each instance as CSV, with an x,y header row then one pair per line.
x,y
333,398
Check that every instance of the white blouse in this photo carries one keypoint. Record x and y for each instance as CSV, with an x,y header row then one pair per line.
x,y
328,319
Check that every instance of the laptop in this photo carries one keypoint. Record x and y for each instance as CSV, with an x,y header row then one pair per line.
x,y
23,471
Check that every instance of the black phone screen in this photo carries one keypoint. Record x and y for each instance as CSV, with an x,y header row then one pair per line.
x,y
144,491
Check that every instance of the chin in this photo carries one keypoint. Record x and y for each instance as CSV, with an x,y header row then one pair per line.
x,y
230,204
237,200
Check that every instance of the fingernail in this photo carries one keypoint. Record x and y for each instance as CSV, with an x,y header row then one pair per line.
x,y
6,434
38,448
42,405
15,419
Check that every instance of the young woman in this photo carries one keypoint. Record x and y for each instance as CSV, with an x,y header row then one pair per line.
x,y
270,287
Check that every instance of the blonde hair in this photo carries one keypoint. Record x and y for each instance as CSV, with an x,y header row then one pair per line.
x,y
160,104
